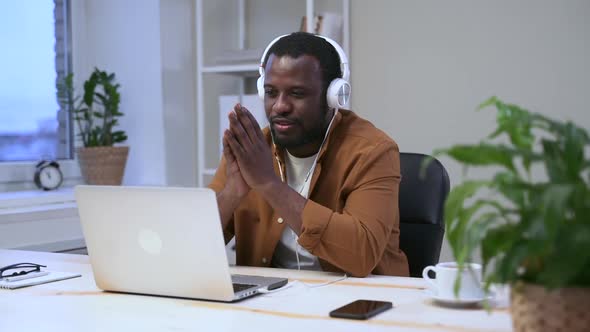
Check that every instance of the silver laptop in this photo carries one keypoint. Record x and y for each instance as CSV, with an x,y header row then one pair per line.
x,y
160,241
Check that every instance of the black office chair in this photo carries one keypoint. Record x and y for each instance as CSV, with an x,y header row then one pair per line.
x,y
421,202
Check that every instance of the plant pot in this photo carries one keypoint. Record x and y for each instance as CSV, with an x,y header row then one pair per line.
x,y
535,308
103,165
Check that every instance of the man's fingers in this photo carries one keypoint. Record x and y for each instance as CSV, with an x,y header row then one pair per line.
x,y
229,156
235,146
256,125
250,124
238,131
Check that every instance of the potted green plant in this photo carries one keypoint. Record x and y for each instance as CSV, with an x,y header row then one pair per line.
x,y
96,114
533,231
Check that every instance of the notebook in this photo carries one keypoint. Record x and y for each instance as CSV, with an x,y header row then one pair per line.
x,y
49,277
160,241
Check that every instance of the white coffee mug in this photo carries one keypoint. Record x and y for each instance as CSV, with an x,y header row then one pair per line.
x,y
443,285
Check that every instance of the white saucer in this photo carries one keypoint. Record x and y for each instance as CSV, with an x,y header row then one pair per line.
x,y
453,301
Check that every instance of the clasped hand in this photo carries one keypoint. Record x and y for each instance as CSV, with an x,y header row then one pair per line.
x,y
248,156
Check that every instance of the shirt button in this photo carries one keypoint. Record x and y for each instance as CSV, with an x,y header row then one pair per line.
x,y
280,220
264,260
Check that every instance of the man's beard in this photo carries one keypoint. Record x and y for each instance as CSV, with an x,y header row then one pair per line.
x,y
316,133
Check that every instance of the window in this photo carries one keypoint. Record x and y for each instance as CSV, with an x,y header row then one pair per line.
x,y
34,56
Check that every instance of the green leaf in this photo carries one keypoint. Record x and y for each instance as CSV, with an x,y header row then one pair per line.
x,y
574,142
455,215
424,166
513,121
508,265
554,209
483,154
489,102
89,88
572,241
517,124
511,186
119,136
101,97
480,228
500,238
472,225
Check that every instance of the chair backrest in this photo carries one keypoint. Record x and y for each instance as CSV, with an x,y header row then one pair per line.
x,y
421,202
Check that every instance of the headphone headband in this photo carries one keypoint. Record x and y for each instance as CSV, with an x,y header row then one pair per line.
x,y
341,55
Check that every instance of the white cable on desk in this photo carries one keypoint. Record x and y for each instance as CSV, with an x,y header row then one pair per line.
x,y
307,286
344,277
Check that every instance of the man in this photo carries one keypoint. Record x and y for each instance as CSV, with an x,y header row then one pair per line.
x,y
318,189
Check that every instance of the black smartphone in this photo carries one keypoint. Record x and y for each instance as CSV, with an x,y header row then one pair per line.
x,y
361,309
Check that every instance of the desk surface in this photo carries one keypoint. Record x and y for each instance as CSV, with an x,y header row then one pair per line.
x,y
78,305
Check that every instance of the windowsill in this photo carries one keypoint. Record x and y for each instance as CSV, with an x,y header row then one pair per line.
x,y
23,206
35,198
40,220
58,246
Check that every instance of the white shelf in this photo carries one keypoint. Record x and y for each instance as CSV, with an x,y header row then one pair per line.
x,y
250,69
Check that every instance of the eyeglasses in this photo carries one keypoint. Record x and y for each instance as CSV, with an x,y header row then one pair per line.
x,y
25,268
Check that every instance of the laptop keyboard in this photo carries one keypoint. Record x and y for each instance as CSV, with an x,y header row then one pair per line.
x,y
241,287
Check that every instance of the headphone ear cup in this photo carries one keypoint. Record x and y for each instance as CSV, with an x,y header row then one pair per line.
x,y
338,93
260,86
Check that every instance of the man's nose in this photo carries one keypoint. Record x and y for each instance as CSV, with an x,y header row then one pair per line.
x,y
282,104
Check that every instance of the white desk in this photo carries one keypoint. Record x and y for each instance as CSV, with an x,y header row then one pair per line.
x,y
77,305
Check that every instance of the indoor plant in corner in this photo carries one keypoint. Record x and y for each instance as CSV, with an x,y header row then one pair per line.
x,y
96,114
533,230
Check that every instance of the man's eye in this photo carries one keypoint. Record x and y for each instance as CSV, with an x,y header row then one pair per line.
x,y
270,92
297,93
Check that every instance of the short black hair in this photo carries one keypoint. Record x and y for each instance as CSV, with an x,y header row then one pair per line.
x,y
297,44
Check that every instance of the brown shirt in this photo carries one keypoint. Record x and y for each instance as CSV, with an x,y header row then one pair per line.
x,y
351,219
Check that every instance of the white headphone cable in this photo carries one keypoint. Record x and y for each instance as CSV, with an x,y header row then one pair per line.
x,y
311,169
309,172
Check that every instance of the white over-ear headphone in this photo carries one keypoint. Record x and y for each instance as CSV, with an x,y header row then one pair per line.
x,y
339,89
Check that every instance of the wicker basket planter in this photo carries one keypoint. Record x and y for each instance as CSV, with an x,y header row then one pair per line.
x,y
534,308
103,165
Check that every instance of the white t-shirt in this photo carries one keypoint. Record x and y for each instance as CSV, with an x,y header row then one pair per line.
x,y
298,169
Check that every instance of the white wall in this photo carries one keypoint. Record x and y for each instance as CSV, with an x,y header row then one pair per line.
x,y
420,68
124,37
